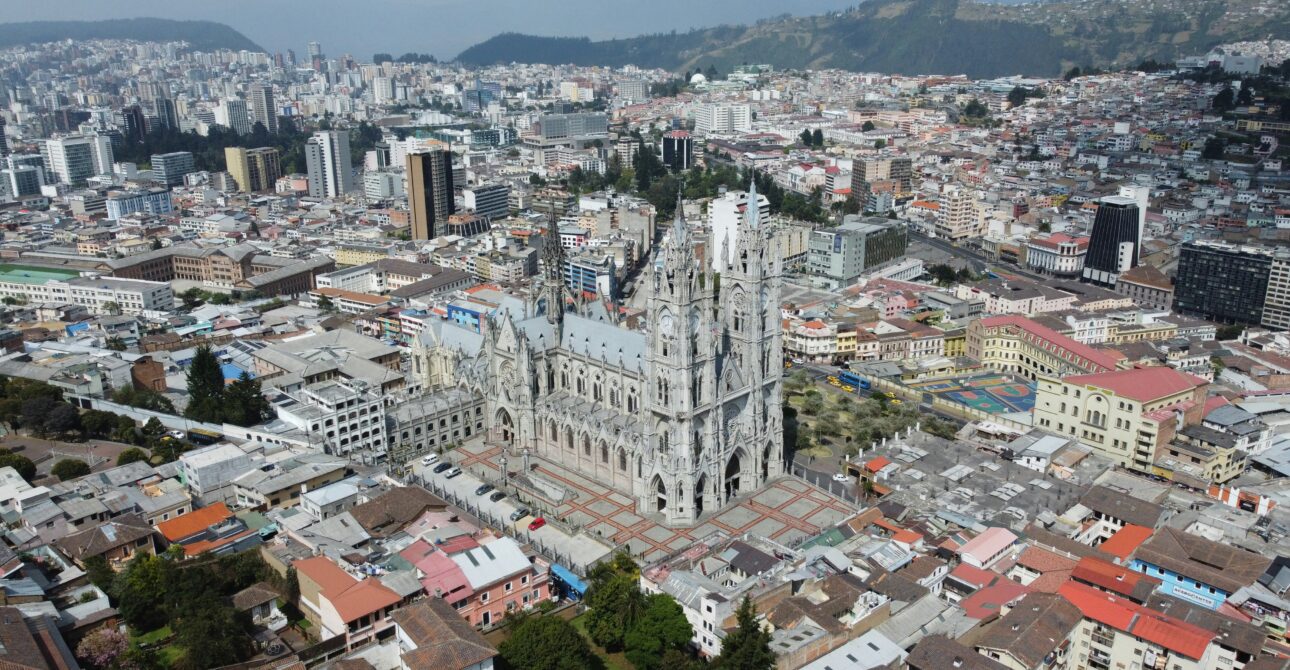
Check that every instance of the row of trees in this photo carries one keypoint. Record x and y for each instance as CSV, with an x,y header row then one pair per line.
x,y
811,139
241,403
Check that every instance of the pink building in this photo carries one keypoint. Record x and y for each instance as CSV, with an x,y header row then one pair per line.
x,y
482,579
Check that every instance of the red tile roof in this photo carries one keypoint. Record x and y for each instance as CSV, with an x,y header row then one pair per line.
x,y
194,522
989,600
1109,576
1126,541
1141,384
1129,617
352,598
1107,360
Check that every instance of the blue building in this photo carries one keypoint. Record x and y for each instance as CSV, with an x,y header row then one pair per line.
x,y
1200,571
587,274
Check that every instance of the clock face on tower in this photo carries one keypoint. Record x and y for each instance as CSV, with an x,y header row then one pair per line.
x,y
665,324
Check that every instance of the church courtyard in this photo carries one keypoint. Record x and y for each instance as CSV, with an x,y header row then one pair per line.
x,y
786,510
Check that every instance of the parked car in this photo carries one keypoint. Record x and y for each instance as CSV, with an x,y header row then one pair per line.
x,y
442,466
453,472
519,514
841,477
429,459
497,495
483,488
537,523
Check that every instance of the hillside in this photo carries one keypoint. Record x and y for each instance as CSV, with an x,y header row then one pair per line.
x,y
929,36
202,35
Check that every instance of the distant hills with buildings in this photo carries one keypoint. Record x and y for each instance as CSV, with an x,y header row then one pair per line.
x,y
202,35
929,37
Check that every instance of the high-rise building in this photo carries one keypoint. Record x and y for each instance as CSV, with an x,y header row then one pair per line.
x,y
959,218
633,90
1276,306
232,114
725,215
167,113
314,50
678,150
838,256
1223,282
135,126
490,201
262,109
4,141
721,117
1113,247
331,174
865,172
23,178
430,189
382,89
72,159
169,169
254,170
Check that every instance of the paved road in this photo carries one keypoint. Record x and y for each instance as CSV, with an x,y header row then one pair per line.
x,y
979,262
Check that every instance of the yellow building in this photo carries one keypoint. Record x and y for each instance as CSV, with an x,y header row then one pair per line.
x,y
360,255
1128,416
956,342
1018,345
254,170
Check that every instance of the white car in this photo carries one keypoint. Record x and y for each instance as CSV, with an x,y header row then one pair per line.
x,y
452,472
430,459
840,477
177,434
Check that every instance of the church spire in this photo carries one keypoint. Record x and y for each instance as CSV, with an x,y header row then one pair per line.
x,y
752,212
553,269
680,229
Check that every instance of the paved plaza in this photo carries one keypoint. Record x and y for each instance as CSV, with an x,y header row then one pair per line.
x,y
786,510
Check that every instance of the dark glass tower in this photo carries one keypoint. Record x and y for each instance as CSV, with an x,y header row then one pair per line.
x,y
1116,241
1222,282
430,193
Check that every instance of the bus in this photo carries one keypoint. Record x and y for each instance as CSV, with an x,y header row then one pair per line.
x,y
853,380
202,436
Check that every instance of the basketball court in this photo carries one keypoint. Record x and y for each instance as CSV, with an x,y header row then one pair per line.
x,y
992,393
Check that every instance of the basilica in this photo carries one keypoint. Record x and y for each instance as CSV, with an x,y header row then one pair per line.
x,y
682,414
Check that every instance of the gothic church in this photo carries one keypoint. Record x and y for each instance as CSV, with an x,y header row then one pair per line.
x,y
683,417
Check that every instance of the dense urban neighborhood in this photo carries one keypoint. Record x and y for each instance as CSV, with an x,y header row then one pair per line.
x,y
314,360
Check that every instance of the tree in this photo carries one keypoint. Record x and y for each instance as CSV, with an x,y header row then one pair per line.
x,y
817,137
244,402
614,601
23,465
35,413
102,648
748,647
70,468
546,643
1017,96
112,308
97,423
143,399
976,109
661,627
131,455
100,573
325,304
63,419
211,633
141,590
868,125
1232,332
1246,96
115,344
205,387
805,138
1214,149
1224,100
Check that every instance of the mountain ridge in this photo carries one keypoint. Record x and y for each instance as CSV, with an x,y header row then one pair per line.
x,y
202,35
926,37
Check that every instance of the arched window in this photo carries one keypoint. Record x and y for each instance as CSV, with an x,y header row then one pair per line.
x,y
622,459
586,445
604,453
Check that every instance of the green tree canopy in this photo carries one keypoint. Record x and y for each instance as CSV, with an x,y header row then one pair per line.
x,y
748,647
205,387
546,643
661,627
23,465
70,468
131,455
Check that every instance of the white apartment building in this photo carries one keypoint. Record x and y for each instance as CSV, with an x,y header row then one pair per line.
x,y
331,174
343,416
1057,254
209,472
722,117
98,294
232,113
725,215
75,158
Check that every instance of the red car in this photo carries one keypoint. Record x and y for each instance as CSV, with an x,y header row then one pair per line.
x,y
537,523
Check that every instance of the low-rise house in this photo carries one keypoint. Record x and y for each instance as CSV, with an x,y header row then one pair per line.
x,y
432,635
1198,570
116,540
341,605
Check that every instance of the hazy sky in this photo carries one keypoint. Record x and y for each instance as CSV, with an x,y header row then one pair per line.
x,y
441,27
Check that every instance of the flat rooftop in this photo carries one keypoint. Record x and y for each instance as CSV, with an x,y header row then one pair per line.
x,y
28,274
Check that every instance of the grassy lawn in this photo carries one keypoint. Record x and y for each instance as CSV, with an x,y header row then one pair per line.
x,y
612,661
169,655
153,637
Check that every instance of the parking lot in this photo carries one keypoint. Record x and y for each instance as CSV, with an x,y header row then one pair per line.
x,y
574,550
